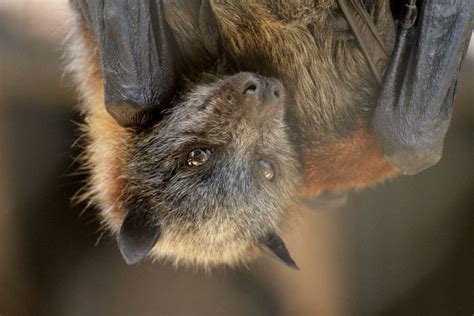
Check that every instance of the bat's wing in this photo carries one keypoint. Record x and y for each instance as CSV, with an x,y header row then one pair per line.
x,y
138,56
416,102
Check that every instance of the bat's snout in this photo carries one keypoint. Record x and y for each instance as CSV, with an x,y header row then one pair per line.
x,y
261,93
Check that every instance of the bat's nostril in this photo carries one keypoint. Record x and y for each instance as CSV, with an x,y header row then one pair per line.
x,y
260,92
276,92
251,87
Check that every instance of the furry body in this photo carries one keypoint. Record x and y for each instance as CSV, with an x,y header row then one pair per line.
x,y
330,95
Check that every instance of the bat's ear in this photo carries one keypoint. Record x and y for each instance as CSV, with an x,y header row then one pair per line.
x,y
137,236
274,246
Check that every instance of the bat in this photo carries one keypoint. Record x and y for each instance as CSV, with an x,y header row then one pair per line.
x,y
177,168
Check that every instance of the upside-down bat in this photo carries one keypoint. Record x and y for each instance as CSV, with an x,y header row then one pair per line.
x,y
206,119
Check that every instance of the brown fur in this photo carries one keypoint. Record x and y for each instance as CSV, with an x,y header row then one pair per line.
x,y
106,141
352,162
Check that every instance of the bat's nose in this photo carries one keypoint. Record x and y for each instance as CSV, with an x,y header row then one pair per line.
x,y
252,89
272,92
259,91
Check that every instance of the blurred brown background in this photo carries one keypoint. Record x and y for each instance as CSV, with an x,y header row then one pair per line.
x,y
402,248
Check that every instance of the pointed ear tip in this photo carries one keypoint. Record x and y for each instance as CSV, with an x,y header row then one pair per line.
x,y
274,246
130,260
128,251
136,237
290,263
294,266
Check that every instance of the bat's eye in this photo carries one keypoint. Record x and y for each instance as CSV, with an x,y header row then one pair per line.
x,y
198,157
266,169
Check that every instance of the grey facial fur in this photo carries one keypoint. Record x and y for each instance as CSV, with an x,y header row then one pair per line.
x,y
218,211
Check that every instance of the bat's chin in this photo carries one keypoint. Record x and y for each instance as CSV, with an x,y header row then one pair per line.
x,y
208,251
191,250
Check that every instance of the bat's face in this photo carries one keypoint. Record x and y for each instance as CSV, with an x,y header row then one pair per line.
x,y
216,176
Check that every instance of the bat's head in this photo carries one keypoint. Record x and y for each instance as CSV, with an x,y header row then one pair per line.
x,y
212,182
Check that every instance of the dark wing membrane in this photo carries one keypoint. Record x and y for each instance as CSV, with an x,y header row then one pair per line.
x,y
138,56
416,102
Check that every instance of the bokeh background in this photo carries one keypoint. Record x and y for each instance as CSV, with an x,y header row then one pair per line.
x,y
402,248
